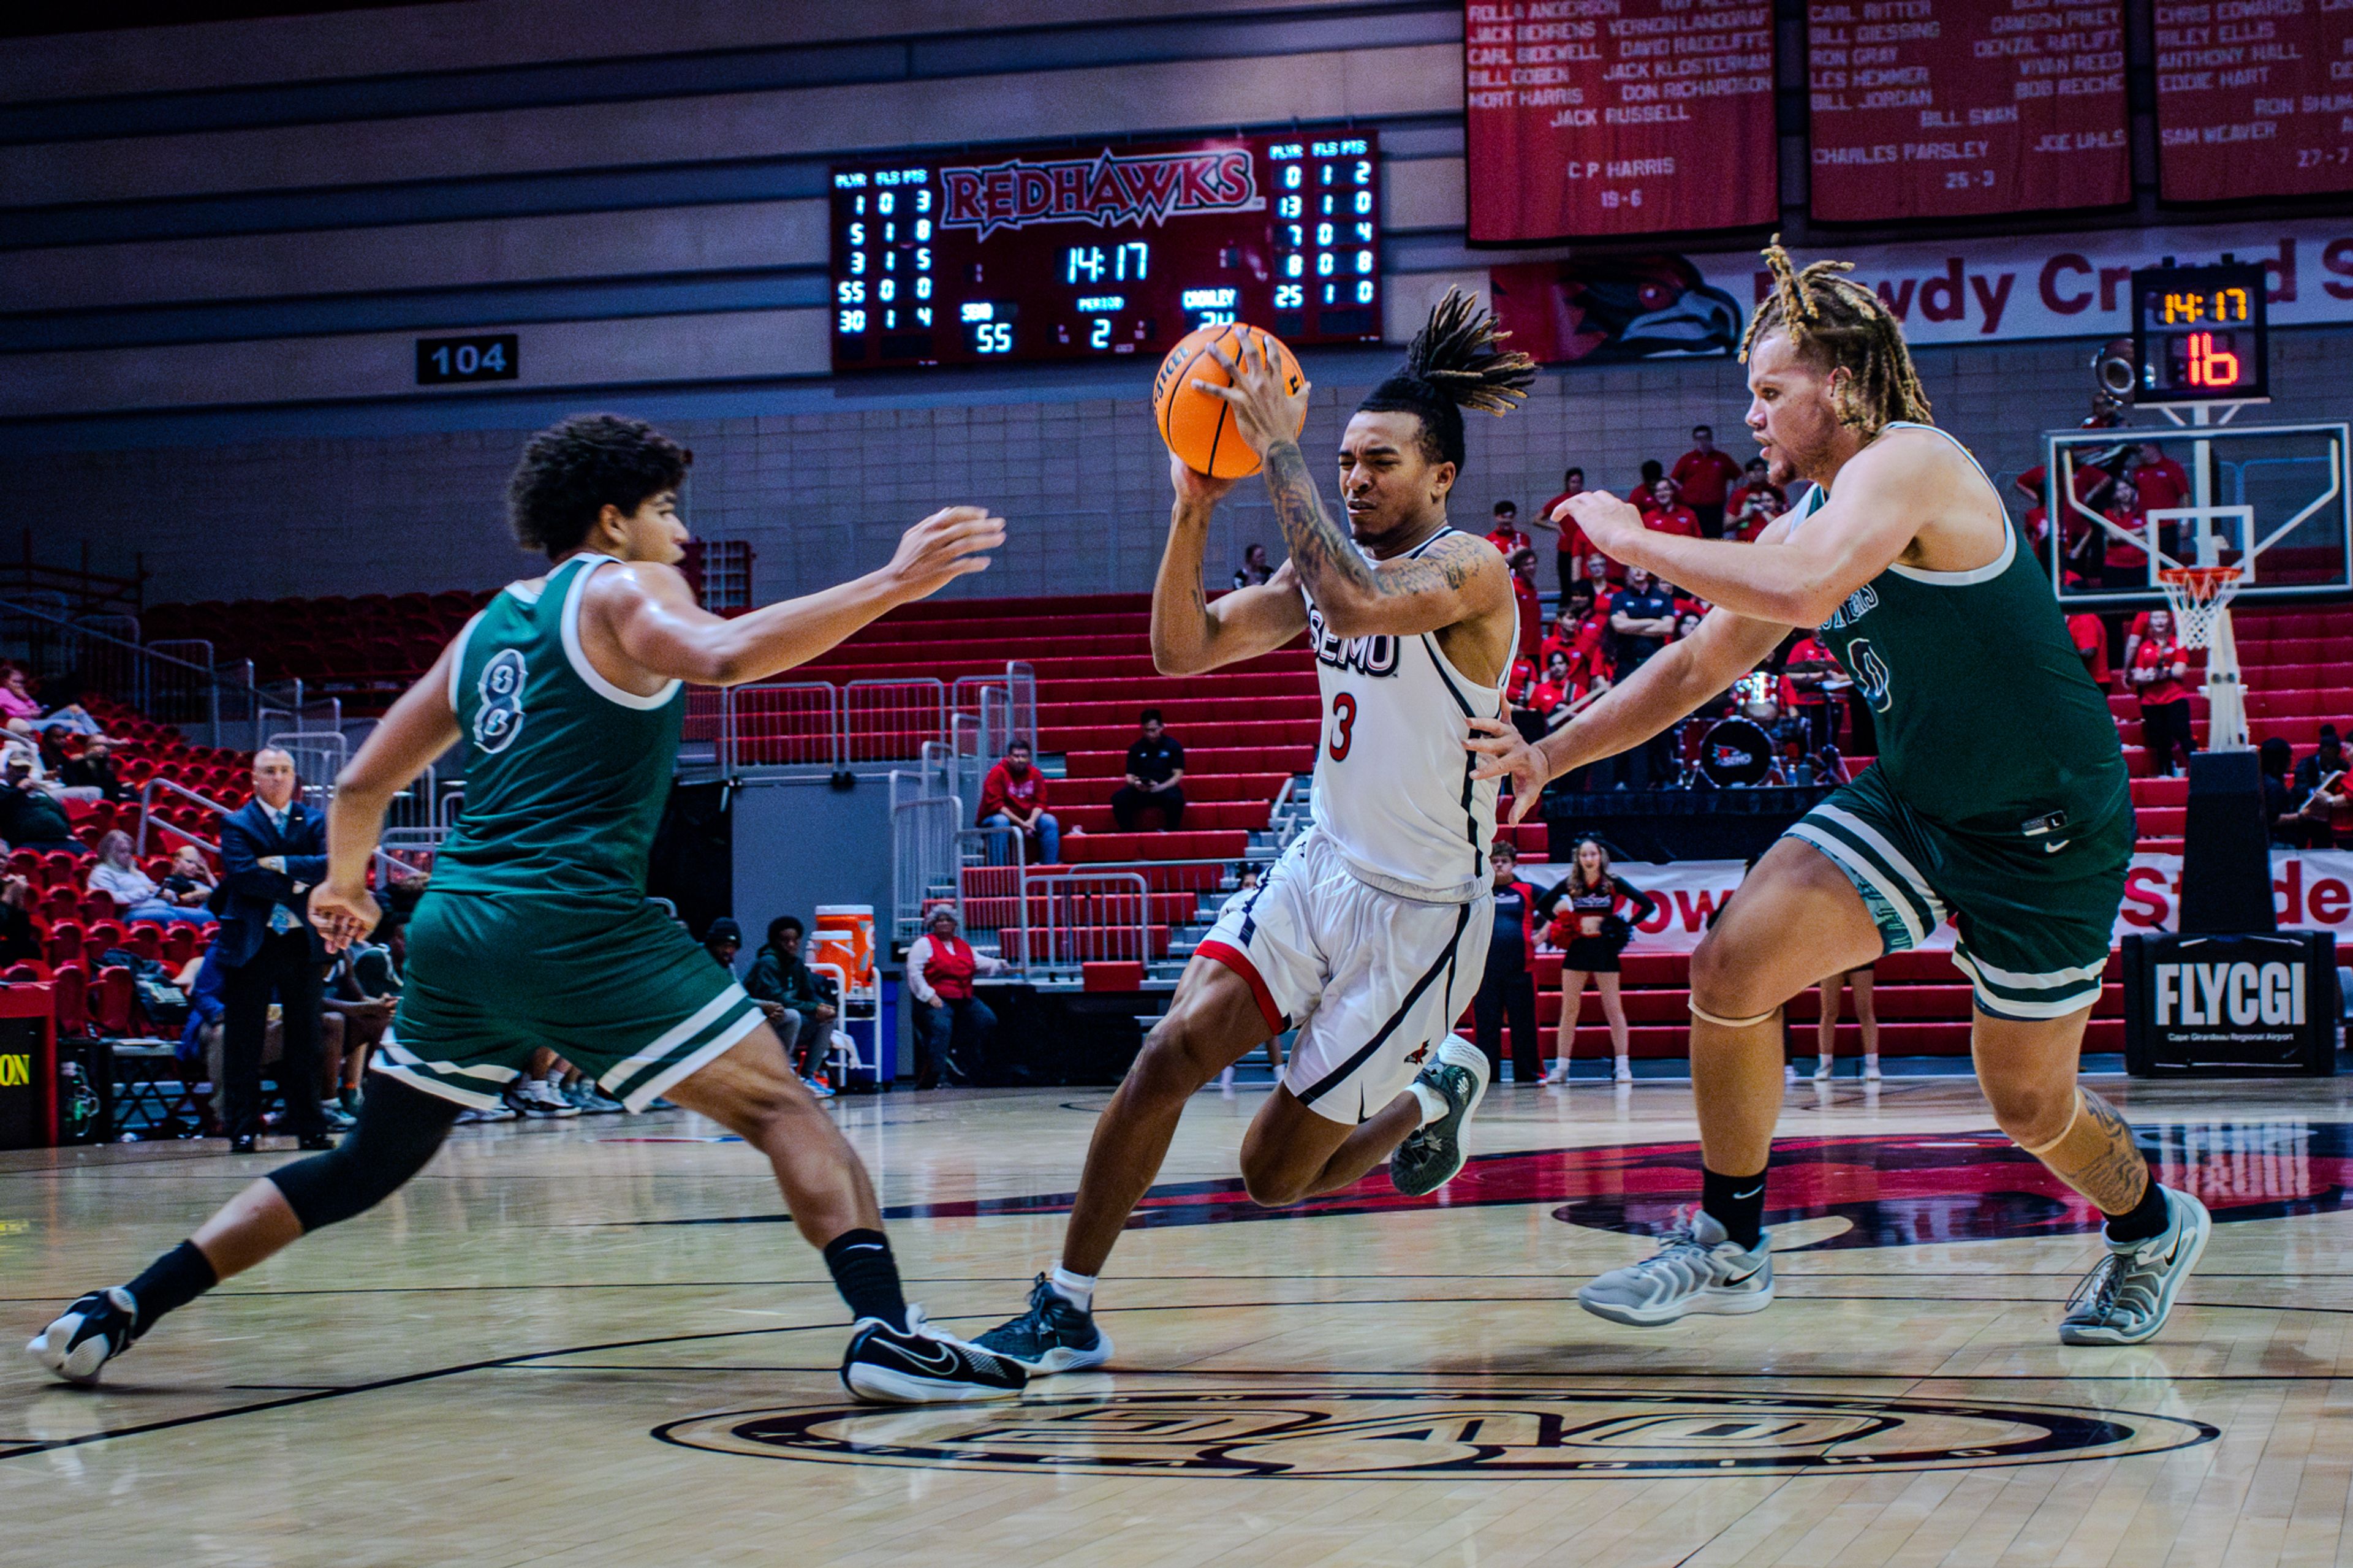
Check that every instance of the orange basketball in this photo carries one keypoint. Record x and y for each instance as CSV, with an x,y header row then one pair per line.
x,y
1199,428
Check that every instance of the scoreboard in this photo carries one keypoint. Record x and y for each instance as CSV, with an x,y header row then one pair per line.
x,y
2199,334
1057,254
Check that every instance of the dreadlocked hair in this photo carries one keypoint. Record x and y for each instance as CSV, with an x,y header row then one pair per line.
x,y
1455,361
1841,325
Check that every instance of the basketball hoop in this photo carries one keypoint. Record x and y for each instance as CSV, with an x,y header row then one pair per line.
x,y
2199,596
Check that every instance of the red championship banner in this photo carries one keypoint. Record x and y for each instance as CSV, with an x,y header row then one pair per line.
x,y
2255,97
1960,108
1607,117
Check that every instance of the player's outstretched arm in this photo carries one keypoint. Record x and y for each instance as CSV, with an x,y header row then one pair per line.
x,y
1452,582
1676,681
1792,578
647,617
420,727
1191,633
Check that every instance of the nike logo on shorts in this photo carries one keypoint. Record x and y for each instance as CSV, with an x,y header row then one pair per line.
x,y
2054,848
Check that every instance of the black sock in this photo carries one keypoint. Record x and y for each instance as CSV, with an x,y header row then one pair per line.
x,y
171,1282
867,1276
2145,1218
1737,1203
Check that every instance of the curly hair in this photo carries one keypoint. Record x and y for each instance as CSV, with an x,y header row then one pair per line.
x,y
1839,324
1455,361
571,470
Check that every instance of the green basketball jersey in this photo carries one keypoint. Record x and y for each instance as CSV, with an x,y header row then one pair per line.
x,y
567,774
1987,717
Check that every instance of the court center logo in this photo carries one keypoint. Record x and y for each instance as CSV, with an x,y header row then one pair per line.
x,y
1308,1429
498,718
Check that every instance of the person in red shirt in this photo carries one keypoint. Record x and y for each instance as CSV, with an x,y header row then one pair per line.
x,y
1581,630
1569,546
1014,795
952,1025
1523,589
1703,476
1669,516
1505,534
1755,504
2124,566
2076,534
2161,481
1803,675
2091,636
2160,668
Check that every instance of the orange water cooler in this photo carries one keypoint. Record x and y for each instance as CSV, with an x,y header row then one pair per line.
x,y
845,939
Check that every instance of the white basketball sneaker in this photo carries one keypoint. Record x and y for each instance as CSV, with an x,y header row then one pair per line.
x,y
1696,1269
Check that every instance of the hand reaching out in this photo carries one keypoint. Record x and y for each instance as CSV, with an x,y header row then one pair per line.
x,y
1505,753
948,544
1609,524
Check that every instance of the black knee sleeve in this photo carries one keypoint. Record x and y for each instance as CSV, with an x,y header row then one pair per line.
x,y
399,1128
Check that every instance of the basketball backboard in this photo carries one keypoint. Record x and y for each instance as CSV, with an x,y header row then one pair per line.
x,y
2271,500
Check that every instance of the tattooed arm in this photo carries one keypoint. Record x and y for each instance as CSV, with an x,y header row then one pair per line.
x,y
1189,634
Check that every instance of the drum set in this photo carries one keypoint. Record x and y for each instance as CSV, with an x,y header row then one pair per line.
x,y
1755,743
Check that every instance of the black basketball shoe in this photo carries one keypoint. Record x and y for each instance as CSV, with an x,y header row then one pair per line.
x,y
918,1365
87,1335
1054,1335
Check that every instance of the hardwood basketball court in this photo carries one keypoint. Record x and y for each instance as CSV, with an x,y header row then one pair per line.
x,y
593,1341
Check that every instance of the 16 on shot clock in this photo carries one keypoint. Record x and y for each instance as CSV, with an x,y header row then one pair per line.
x,y
1064,252
2199,334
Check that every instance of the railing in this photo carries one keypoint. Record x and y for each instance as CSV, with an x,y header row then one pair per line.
x,y
785,723
889,720
1089,917
147,818
924,856
172,682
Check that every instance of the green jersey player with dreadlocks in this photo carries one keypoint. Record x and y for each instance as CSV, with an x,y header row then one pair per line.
x,y
2018,829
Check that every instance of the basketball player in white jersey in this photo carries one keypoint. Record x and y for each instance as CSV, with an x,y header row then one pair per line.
x,y
1369,935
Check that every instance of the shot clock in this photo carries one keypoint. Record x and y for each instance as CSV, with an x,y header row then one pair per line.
x,y
1071,252
2199,334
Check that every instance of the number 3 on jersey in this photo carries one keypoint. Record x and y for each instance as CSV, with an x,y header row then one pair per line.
x,y
1343,725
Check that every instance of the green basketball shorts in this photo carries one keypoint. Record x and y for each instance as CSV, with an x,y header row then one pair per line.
x,y
2035,907
616,987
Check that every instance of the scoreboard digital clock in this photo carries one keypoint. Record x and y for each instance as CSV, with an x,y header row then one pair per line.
x,y
1051,253
2199,334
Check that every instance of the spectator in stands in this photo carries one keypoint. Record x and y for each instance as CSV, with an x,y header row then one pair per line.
x,y
1503,531
362,996
1667,514
273,851
1570,544
2124,565
1507,988
19,708
1758,501
2320,785
952,1025
1642,618
1254,569
18,940
2161,482
118,876
1156,777
799,1001
2291,822
1557,695
1014,795
722,941
2090,634
1702,477
1530,603
1806,675
1644,489
2158,669
30,816
189,883
94,769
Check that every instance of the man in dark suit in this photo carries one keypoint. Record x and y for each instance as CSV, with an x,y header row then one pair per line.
x,y
273,849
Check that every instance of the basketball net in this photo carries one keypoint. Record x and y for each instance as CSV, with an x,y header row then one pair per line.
x,y
2199,596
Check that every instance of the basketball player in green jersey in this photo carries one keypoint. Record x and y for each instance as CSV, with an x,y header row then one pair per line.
x,y
1998,799
567,692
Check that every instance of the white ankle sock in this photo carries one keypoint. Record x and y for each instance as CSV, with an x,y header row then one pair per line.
x,y
1078,1290
1433,1104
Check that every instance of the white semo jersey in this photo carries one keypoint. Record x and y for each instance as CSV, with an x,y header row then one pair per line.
x,y
1393,785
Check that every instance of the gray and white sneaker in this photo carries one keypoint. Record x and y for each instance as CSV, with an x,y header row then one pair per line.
x,y
1432,1153
2128,1295
1697,1268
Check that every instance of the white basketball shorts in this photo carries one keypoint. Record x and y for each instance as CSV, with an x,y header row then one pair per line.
x,y
1369,978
